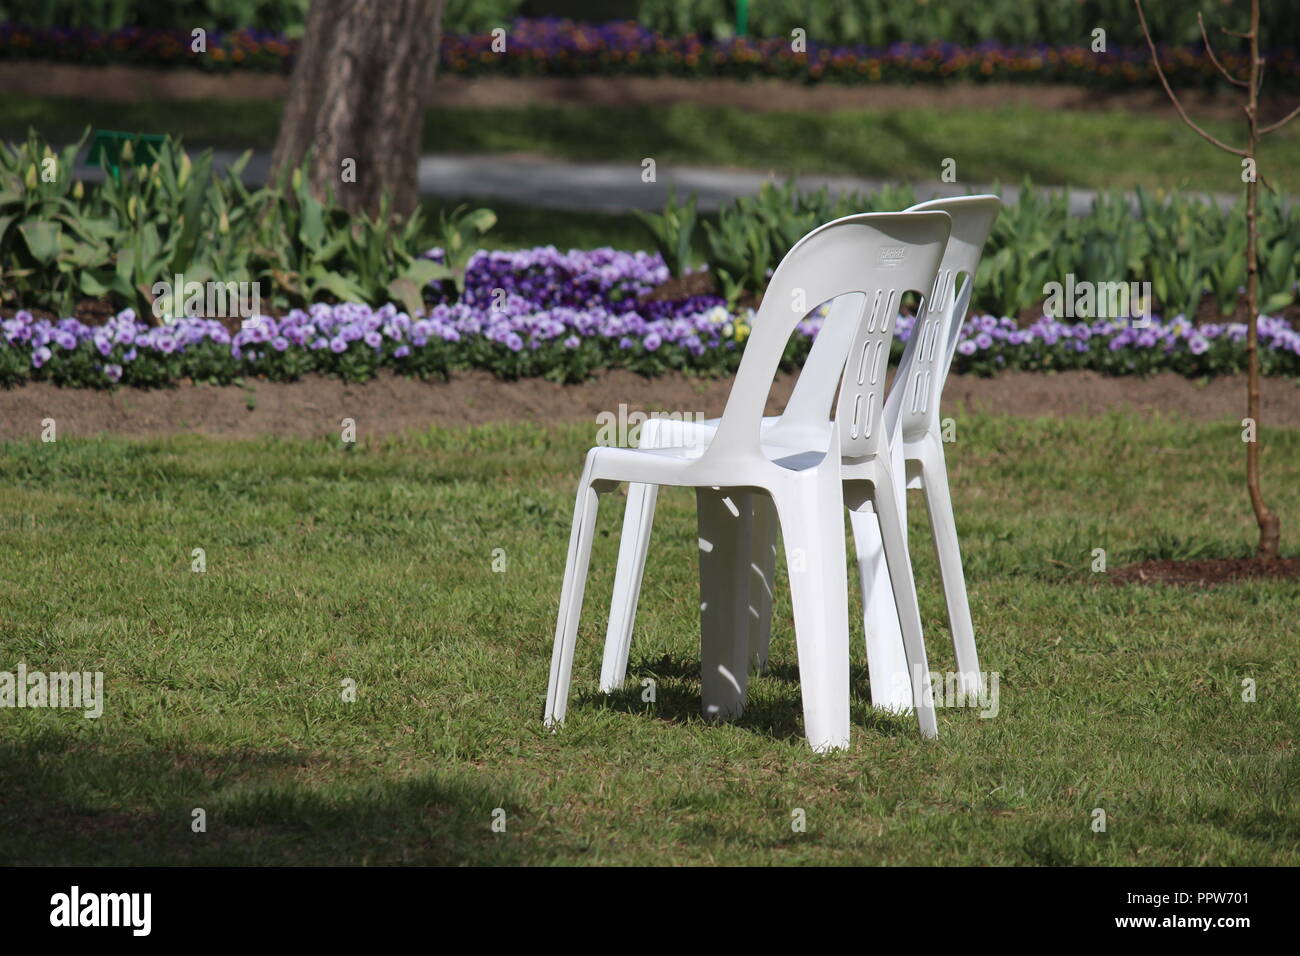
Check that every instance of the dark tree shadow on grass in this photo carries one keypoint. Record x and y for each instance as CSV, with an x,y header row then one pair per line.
x,y
74,802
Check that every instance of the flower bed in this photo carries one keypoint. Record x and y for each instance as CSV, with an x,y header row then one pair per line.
x,y
259,50
541,312
565,48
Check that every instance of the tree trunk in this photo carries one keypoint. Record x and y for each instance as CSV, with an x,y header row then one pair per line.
x,y
1265,518
357,97
1269,526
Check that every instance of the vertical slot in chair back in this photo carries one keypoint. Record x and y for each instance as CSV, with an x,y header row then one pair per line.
x,y
930,348
906,260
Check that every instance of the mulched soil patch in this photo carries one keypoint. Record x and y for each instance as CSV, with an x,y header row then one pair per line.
x,y
682,287
87,311
1207,572
391,404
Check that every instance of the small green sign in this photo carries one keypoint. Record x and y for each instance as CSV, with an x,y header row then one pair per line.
x,y
109,144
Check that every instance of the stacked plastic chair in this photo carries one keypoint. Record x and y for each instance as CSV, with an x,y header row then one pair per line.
x,y
751,476
916,451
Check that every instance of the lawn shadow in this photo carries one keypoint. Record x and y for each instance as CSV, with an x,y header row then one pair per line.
x,y
70,801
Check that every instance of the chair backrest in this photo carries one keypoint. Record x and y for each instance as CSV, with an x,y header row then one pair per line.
x,y
809,407
912,407
874,258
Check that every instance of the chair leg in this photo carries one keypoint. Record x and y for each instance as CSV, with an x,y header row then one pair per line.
x,y
812,526
894,536
638,518
762,579
724,521
633,542
575,581
886,657
938,502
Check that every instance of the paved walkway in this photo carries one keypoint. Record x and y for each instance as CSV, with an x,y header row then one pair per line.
x,y
617,187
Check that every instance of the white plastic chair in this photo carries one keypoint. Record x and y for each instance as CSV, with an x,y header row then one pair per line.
x,y
795,465
912,422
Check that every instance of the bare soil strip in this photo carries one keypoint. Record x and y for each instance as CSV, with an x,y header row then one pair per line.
x,y
316,406
131,84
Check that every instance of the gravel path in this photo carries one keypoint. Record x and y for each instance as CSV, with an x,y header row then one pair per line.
x,y
617,187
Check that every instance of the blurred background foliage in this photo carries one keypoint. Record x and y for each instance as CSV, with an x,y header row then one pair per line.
x,y
871,22
1056,22
280,16
62,240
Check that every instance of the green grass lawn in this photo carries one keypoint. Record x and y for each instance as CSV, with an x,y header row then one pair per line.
x,y
1102,150
375,564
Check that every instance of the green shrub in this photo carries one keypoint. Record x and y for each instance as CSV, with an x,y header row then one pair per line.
x,y
62,239
673,232
1184,245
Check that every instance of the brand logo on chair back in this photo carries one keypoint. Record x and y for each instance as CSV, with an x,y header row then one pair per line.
x,y
890,256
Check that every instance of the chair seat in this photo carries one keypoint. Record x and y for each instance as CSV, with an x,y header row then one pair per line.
x,y
629,464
